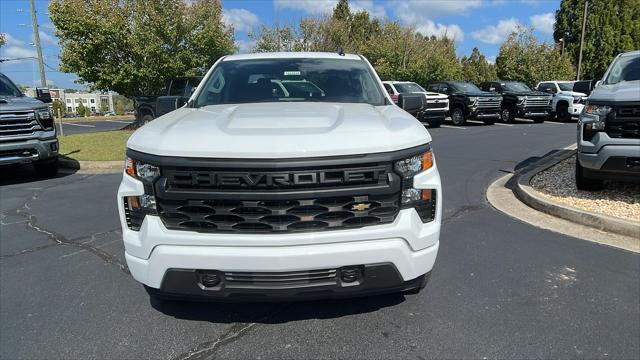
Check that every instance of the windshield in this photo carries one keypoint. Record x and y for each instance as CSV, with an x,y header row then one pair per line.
x,y
286,80
465,87
518,87
626,68
7,88
568,86
408,87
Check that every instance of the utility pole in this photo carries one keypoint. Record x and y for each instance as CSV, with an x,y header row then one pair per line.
x,y
36,40
584,25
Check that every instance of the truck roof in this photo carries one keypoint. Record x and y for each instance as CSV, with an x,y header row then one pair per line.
x,y
291,55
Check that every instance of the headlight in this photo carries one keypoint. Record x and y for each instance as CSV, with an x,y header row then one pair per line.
x,y
142,171
45,119
472,100
137,207
601,112
422,200
414,165
577,99
521,99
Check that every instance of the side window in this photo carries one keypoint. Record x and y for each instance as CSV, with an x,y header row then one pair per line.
x,y
444,89
433,87
388,88
177,87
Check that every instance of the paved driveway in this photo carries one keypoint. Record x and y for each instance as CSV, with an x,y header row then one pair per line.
x,y
500,289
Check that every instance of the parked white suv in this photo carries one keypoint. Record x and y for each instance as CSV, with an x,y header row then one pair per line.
x,y
436,107
565,103
246,192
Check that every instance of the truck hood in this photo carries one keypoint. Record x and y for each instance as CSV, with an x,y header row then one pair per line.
x,y
279,130
622,91
13,103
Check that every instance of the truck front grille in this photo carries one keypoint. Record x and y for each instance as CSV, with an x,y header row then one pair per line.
x,y
436,105
624,122
18,123
268,216
489,103
280,280
537,102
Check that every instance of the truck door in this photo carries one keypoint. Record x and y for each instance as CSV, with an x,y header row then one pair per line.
x,y
175,96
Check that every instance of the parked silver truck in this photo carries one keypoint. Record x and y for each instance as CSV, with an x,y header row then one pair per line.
x,y
609,127
27,131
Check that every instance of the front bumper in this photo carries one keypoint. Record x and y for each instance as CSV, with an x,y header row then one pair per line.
x,y
28,151
407,244
533,112
575,109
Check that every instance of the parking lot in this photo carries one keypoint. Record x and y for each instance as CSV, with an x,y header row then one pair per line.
x,y
500,289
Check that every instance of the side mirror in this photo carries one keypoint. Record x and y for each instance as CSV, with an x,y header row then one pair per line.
x,y
597,83
411,102
180,101
43,95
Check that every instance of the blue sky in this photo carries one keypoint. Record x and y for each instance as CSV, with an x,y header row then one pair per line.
x,y
481,23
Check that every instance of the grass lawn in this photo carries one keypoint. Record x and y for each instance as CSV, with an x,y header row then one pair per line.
x,y
106,145
96,118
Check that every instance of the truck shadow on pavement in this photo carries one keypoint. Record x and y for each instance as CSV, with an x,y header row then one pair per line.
x,y
24,174
274,312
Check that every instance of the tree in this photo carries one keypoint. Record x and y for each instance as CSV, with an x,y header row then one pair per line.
x,y
134,46
613,27
58,108
122,104
104,107
476,68
81,110
523,58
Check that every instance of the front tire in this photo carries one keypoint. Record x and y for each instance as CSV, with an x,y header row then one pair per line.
x,y
146,118
457,117
586,184
563,112
46,168
507,115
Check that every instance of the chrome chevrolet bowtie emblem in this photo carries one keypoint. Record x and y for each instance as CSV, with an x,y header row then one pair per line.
x,y
360,206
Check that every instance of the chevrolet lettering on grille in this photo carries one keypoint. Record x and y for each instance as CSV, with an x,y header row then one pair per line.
x,y
274,180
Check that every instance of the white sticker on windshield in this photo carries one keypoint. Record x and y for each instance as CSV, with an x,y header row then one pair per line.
x,y
292,73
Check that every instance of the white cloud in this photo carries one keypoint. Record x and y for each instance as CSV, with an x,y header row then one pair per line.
x,y
451,31
369,6
12,52
245,46
491,59
495,34
240,19
410,11
313,7
543,22
47,39
10,40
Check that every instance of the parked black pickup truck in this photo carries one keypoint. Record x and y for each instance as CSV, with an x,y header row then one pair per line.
x,y
175,94
519,100
466,101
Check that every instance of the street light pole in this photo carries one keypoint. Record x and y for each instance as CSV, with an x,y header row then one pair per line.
x,y
36,40
584,24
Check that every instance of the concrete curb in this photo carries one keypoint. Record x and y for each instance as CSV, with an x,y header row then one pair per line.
x,y
92,166
528,195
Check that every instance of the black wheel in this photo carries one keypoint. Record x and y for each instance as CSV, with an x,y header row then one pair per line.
x,y
146,118
422,285
507,115
457,117
586,184
563,112
47,168
434,123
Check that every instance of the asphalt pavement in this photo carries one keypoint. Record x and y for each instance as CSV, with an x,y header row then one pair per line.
x,y
501,288
81,127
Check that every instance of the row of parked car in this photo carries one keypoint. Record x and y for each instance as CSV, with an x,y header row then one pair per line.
x,y
494,100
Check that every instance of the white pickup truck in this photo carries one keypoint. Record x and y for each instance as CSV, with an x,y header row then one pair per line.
x,y
251,192
436,105
565,103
